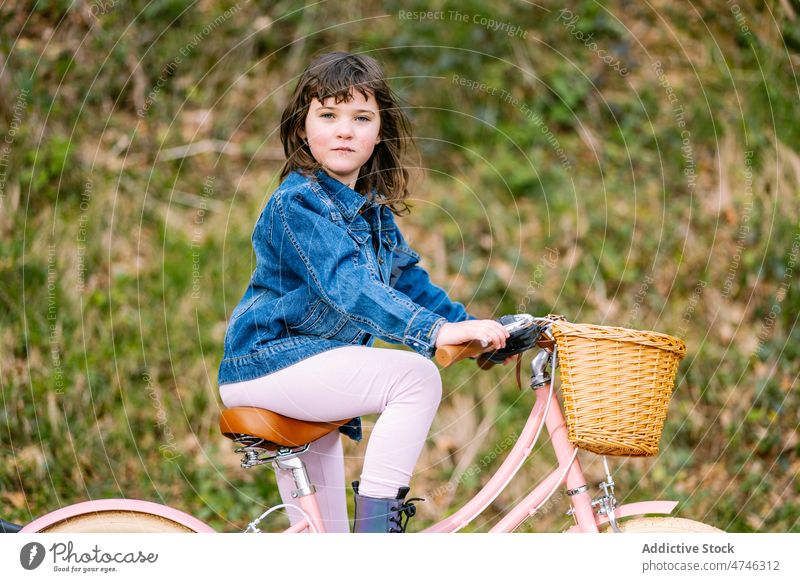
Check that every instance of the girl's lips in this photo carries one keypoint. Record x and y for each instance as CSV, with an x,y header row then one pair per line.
x,y
343,150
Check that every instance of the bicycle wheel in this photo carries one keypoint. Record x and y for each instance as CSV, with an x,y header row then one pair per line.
x,y
663,525
117,516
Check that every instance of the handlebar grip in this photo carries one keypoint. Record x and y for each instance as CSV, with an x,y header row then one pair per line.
x,y
449,355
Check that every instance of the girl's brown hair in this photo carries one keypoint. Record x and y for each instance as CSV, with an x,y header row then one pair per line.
x,y
337,75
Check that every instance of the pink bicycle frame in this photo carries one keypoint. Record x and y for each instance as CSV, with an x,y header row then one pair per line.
x,y
308,503
568,472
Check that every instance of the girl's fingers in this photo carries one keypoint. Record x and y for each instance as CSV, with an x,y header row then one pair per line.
x,y
491,333
499,334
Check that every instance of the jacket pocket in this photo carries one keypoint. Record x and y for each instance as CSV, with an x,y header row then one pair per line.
x,y
360,236
245,305
366,252
322,320
389,241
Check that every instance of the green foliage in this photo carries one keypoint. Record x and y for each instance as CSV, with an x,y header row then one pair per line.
x,y
554,184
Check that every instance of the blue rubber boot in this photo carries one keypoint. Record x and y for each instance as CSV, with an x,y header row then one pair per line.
x,y
374,515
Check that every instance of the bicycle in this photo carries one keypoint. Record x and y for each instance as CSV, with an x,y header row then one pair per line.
x,y
264,437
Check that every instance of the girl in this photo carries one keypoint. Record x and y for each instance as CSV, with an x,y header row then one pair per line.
x,y
333,272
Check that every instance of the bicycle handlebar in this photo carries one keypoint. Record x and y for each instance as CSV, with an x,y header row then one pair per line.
x,y
526,330
449,355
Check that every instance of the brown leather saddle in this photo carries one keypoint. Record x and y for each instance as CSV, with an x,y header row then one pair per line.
x,y
274,430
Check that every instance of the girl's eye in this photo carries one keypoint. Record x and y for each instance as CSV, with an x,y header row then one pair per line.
x,y
327,115
363,118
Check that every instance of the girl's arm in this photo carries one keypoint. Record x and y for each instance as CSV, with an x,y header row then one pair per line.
x,y
326,257
411,279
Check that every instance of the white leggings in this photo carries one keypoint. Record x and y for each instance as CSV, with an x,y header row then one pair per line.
x,y
339,384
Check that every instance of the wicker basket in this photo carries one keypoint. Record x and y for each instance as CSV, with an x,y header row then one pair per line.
x,y
616,384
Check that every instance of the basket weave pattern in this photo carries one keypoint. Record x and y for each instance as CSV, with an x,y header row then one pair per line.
x,y
616,385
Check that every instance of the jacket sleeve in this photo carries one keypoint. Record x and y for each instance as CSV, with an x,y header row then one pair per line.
x,y
330,259
412,280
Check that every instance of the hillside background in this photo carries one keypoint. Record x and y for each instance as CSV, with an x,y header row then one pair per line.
x,y
620,163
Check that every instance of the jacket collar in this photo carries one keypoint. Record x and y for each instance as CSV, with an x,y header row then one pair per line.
x,y
348,201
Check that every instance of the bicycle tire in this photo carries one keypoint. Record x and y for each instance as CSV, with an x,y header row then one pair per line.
x,y
663,525
117,516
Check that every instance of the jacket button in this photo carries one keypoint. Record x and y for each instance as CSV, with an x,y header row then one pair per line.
x,y
380,260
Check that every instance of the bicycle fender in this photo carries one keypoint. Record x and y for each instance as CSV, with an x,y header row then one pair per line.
x,y
131,505
629,509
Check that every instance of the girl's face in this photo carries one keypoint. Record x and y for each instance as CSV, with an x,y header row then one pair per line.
x,y
341,136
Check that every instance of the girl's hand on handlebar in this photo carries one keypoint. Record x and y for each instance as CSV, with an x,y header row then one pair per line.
x,y
489,331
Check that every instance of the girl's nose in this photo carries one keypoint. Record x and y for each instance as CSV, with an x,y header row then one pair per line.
x,y
344,129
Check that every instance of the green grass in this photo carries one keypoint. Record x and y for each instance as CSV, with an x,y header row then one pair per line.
x,y
118,270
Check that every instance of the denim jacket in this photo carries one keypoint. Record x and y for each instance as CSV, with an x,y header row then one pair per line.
x,y
332,270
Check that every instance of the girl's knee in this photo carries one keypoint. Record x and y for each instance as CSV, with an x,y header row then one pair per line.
x,y
424,379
